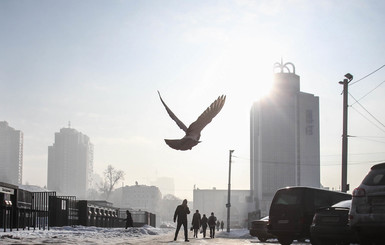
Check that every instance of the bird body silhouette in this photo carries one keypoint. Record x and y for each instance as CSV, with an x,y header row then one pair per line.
x,y
193,132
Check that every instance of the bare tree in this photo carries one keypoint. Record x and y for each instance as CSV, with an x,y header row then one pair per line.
x,y
111,178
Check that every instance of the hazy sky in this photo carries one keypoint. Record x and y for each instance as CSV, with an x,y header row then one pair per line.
x,y
99,64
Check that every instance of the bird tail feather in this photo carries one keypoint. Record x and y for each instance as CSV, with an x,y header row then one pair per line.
x,y
175,144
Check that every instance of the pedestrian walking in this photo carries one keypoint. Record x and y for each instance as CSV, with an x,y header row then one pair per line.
x,y
212,222
218,224
204,225
129,221
181,212
196,223
222,224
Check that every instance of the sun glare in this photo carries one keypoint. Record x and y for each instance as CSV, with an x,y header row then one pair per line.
x,y
261,88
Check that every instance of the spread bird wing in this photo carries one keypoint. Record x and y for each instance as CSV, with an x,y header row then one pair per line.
x,y
207,116
172,115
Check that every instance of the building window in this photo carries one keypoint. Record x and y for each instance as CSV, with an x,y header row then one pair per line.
x,y
309,122
309,117
309,130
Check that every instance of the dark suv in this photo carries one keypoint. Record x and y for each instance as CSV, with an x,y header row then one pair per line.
x,y
367,213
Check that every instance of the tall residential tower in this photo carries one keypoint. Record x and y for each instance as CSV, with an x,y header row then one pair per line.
x,y
11,154
70,163
284,139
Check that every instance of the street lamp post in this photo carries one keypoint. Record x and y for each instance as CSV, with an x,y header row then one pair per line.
x,y
228,205
344,172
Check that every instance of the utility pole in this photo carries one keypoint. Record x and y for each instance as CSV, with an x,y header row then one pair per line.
x,y
344,172
228,205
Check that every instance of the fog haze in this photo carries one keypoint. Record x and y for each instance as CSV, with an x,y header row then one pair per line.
x,y
99,64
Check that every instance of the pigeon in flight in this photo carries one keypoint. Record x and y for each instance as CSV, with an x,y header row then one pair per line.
x,y
193,132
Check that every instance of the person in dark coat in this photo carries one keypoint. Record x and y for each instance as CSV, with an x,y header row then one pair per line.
x,y
181,212
129,221
222,225
196,223
218,224
212,221
204,225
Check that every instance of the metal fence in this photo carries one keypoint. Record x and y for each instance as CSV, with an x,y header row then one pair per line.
x,y
63,211
22,209
98,213
40,209
140,218
7,205
23,217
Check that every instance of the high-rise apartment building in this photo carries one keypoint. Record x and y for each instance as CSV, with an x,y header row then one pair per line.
x,y
11,154
70,163
284,139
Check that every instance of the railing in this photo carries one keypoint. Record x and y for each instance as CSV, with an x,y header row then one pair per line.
x,y
140,218
40,209
23,209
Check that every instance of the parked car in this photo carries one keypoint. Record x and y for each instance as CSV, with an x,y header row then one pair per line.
x,y
331,225
166,225
367,214
293,208
259,229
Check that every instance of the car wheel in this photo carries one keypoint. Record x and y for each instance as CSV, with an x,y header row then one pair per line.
x,y
262,239
285,240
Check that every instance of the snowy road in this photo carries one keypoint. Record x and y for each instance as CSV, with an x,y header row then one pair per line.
x,y
222,238
145,235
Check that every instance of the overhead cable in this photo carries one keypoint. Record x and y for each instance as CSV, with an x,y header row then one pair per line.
x,y
369,92
369,120
367,111
367,75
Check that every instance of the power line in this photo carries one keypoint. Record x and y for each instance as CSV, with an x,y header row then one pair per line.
x,y
367,111
337,163
368,119
365,136
369,92
367,75
333,155
378,141
353,154
353,163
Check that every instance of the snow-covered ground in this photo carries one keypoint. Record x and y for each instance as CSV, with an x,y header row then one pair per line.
x,y
81,235
98,235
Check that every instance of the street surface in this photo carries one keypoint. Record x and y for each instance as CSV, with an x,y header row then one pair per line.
x,y
119,236
220,239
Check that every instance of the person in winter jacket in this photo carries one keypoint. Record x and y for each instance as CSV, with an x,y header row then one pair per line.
x,y
181,212
222,225
129,221
196,223
212,221
204,225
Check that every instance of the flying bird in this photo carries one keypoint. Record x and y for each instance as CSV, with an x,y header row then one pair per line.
x,y
193,132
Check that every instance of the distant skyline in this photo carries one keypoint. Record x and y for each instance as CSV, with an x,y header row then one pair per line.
x,y
11,154
70,164
99,64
